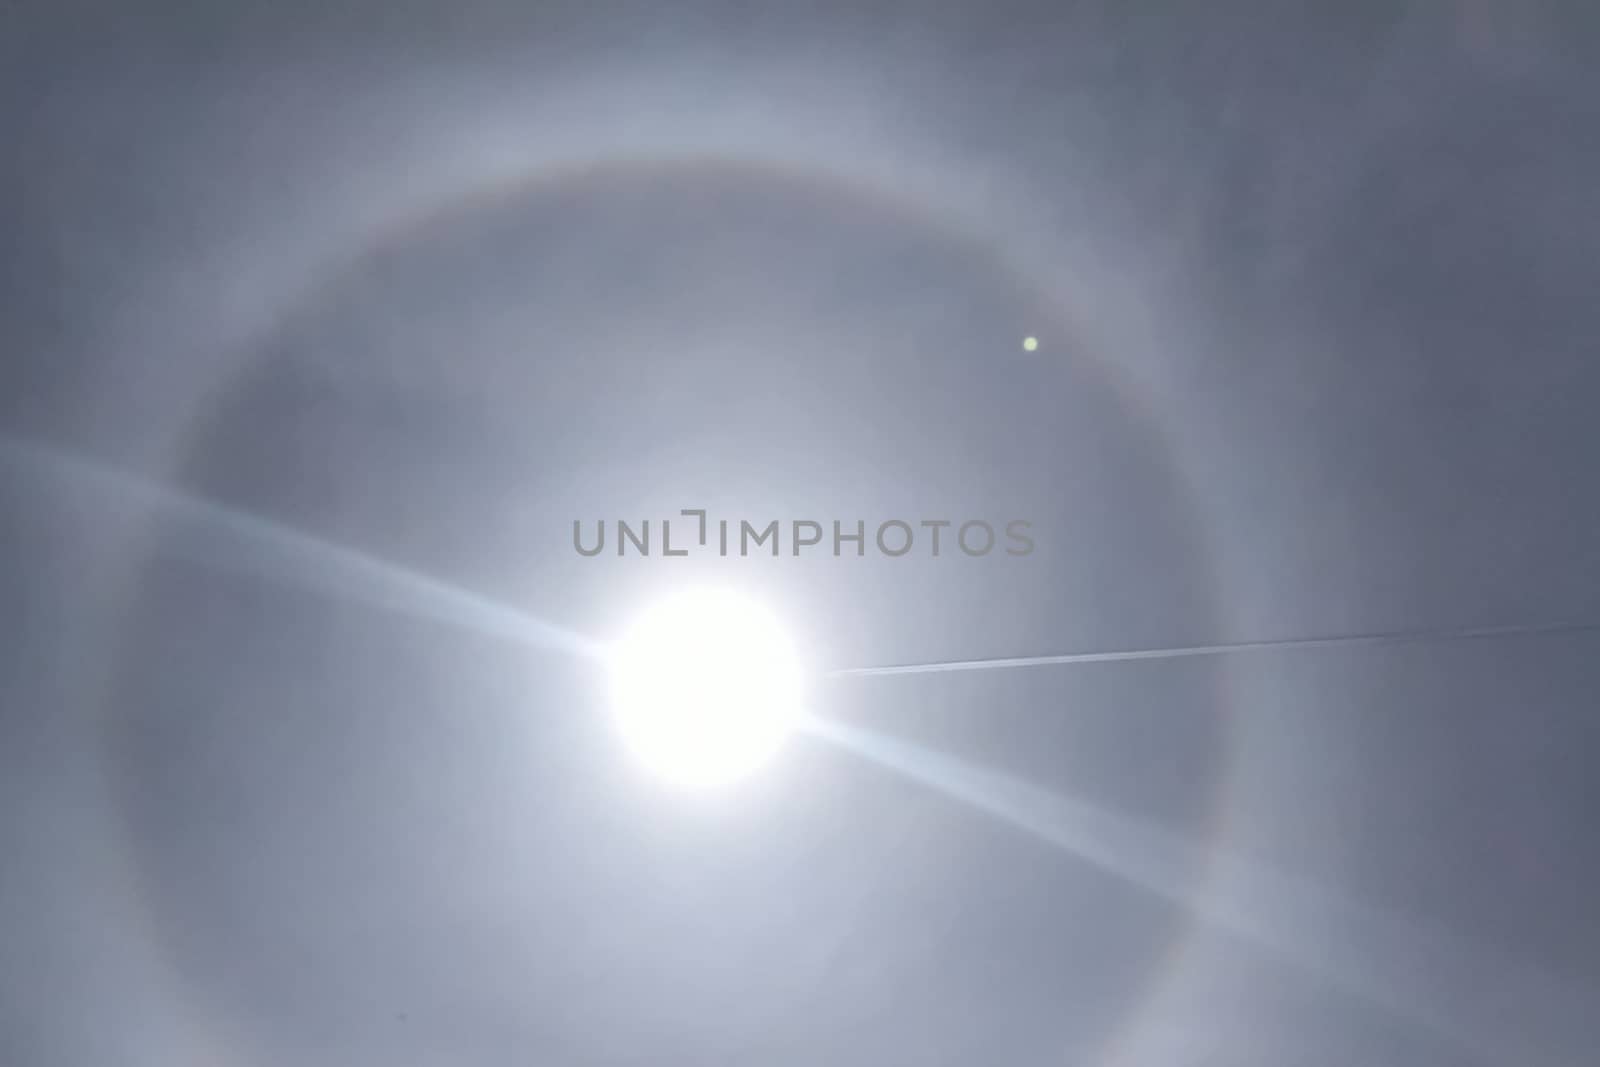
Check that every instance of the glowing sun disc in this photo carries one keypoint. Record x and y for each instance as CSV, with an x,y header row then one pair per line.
x,y
705,687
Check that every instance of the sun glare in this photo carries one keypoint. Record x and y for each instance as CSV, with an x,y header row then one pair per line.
x,y
705,686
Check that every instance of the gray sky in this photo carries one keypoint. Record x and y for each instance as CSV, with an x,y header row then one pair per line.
x,y
323,322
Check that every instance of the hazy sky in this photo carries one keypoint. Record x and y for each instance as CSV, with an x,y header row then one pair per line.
x,y
322,323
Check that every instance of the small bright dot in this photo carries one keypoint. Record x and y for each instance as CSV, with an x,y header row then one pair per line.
x,y
706,687
1030,344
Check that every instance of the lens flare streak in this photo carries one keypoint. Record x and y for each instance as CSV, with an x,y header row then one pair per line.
x,y
1521,1016
239,540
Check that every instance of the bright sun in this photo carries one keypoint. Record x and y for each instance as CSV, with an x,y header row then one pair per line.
x,y
706,687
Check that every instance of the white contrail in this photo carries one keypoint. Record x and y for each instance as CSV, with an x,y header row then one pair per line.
x,y
1181,651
